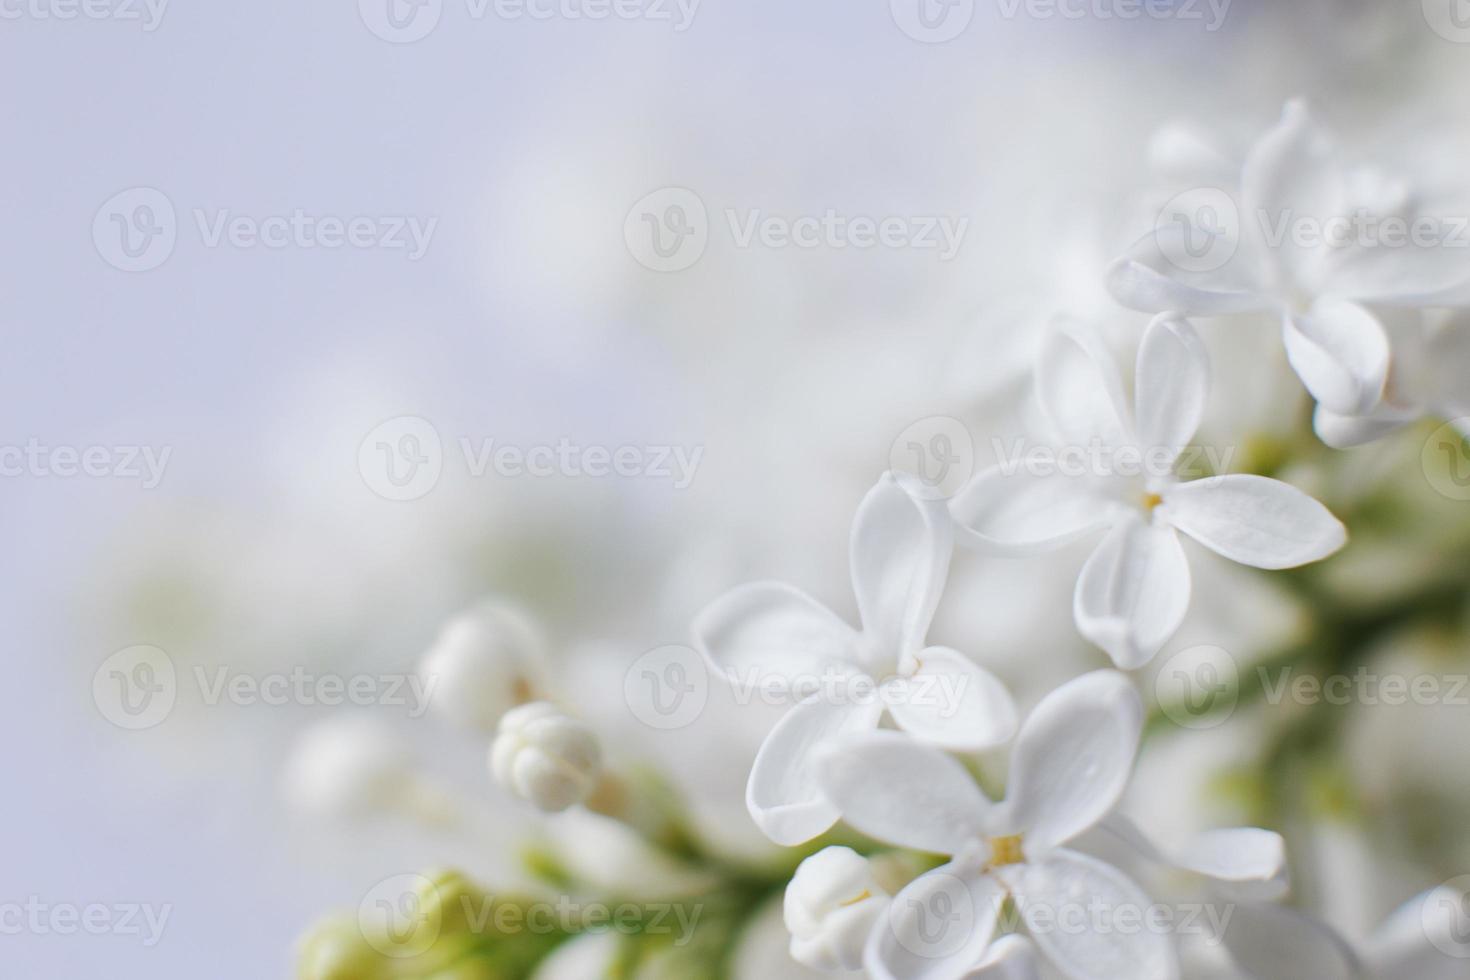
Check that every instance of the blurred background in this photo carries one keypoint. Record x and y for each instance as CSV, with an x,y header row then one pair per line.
x,y
290,271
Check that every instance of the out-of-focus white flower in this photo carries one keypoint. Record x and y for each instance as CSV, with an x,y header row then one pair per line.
x,y
546,758
608,855
831,907
1070,764
1134,590
484,662
1423,940
770,636
593,954
1311,241
353,767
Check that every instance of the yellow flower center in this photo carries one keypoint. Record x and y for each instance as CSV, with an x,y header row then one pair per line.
x,y
1150,501
1006,850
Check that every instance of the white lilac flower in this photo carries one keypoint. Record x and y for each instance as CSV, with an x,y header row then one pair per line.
x,y
1134,590
772,637
545,757
1425,939
1426,377
1069,765
1313,238
831,907
483,663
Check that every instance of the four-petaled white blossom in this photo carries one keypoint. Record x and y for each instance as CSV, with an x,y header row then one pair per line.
x,y
770,634
1134,590
1324,244
1069,765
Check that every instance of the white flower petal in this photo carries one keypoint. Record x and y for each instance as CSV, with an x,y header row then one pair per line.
x,y
1271,941
1341,353
1073,758
901,547
1293,173
1254,520
1172,381
1347,431
902,792
1080,390
770,634
1010,958
1018,510
782,794
938,928
1133,592
1248,861
1145,278
953,702
1090,920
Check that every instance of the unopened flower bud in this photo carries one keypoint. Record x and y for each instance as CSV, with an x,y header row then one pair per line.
x,y
335,950
831,906
545,757
483,663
